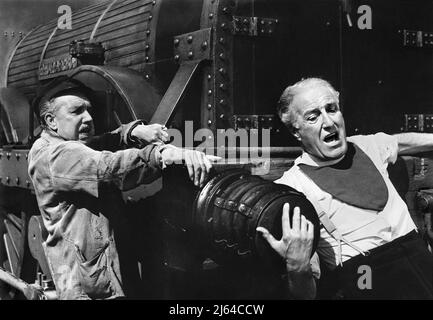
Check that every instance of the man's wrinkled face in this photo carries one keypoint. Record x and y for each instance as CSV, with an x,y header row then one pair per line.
x,y
319,123
72,119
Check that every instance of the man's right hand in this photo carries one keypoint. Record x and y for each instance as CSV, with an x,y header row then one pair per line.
x,y
295,248
198,163
296,243
152,133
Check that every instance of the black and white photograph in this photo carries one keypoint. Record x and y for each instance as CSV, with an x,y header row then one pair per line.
x,y
216,154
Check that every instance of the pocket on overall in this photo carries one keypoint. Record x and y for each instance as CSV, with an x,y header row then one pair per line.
x,y
94,275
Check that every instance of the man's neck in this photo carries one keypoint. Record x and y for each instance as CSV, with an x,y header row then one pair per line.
x,y
312,160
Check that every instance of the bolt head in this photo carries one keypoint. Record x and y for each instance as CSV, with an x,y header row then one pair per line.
x,y
190,54
176,42
204,45
189,39
176,57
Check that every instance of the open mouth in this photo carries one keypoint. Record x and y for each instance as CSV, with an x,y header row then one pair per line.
x,y
331,137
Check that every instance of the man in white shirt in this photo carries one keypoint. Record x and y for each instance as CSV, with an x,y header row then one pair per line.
x,y
366,226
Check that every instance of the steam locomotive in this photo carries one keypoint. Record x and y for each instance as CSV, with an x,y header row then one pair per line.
x,y
217,64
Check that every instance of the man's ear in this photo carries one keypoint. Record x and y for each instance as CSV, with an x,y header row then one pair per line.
x,y
295,133
50,120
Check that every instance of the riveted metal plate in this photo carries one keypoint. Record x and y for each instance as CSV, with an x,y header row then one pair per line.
x,y
193,46
418,122
13,168
254,26
255,121
417,38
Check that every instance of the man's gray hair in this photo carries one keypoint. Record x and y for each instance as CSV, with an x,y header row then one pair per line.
x,y
284,105
49,106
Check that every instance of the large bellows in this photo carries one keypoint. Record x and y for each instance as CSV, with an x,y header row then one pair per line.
x,y
227,211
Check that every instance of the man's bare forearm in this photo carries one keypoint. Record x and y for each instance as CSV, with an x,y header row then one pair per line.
x,y
414,142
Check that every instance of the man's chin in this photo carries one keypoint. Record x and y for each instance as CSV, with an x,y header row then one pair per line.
x,y
337,153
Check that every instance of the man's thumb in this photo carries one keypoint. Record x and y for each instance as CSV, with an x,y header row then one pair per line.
x,y
268,236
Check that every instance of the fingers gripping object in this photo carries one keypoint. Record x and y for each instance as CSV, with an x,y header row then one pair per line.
x,y
234,203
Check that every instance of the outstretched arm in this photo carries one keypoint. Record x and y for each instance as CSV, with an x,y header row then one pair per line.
x,y
295,248
134,134
414,142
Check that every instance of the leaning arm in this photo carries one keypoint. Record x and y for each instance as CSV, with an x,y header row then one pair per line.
x,y
414,142
115,140
76,167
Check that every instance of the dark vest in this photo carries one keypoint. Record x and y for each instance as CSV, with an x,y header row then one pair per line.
x,y
354,180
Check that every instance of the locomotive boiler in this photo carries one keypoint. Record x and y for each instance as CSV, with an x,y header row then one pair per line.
x,y
216,65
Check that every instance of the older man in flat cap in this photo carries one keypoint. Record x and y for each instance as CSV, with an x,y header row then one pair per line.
x,y
78,179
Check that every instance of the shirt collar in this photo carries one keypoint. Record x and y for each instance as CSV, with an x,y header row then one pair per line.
x,y
305,158
51,136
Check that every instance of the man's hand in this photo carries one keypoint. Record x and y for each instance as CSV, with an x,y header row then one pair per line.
x,y
198,163
152,133
296,243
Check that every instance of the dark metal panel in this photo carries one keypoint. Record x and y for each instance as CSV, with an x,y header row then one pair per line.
x,y
383,78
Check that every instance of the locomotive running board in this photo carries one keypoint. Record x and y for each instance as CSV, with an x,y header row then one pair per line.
x,y
175,92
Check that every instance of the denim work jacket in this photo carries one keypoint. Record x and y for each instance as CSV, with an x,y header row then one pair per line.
x,y
78,188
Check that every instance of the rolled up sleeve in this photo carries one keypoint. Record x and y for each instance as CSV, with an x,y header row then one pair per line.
x,y
116,139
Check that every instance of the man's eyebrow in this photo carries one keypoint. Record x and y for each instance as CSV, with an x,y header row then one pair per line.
x,y
311,110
